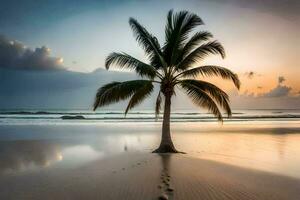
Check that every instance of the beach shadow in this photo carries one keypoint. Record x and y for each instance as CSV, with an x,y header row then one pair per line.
x,y
165,177
165,161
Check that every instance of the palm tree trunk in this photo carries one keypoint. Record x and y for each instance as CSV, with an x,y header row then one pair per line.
x,y
166,144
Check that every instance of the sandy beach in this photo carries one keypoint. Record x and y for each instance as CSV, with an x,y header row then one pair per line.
x,y
148,176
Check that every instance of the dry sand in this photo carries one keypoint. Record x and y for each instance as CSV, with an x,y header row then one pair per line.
x,y
148,176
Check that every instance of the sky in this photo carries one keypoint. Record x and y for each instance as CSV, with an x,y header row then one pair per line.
x,y
52,52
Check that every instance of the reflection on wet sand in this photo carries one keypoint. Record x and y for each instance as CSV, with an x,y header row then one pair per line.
x,y
23,155
271,148
268,152
281,147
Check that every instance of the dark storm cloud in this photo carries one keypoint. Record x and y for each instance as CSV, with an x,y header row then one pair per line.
x,y
15,55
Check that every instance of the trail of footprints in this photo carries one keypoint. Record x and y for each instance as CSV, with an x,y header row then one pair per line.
x,y
165,186
132,166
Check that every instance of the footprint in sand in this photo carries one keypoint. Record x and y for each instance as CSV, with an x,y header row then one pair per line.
x,y
163,197
165,186
170,189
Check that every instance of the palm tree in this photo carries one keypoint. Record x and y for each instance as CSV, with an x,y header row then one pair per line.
x,y
171,66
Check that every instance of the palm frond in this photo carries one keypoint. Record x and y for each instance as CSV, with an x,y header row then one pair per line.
x,y
178,27
195,41
200,53
124,60
219,96
202,99
211,70
158,105
139,96
169,25
148,42
117,91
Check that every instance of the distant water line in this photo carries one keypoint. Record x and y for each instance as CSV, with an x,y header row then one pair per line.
x,y
82,116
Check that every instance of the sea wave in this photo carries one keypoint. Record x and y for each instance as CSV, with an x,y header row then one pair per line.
x,y
93,113
86,117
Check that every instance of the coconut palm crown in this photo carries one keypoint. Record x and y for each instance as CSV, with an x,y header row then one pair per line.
x,y
172,65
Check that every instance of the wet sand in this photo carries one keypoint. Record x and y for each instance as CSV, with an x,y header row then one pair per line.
x,y
149,176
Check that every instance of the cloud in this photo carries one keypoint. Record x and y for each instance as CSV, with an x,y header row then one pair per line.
x,y
251,74
36,82
281,79
279,91
42,89
15,55
32,89
281,96
21,155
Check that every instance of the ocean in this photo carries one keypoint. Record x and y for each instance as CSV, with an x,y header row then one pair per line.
x,y
88,116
